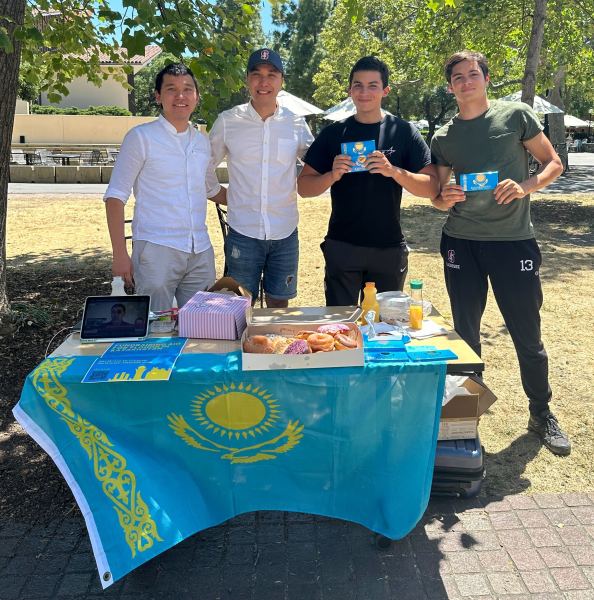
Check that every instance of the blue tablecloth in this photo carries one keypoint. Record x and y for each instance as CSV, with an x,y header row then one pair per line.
x,y
152,462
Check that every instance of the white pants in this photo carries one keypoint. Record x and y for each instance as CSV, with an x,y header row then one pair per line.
x,y
164,273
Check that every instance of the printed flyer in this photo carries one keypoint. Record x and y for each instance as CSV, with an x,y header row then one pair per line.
x,y
152,359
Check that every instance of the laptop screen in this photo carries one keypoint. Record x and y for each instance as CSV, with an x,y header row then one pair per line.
x,y
115,318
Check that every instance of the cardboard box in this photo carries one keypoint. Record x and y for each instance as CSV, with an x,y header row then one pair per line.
x,y
220,313
460,416
287,322
228,284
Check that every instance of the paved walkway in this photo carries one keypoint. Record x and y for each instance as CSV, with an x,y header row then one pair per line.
x,y
538,547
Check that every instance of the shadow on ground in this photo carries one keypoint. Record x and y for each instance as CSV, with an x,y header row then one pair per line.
x,y
47,295
505,469
563,229
577,180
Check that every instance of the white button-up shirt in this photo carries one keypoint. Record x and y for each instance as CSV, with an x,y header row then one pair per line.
x,y
261,162
171,179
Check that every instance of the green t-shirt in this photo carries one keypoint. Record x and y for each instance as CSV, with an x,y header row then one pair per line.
x,y
490,142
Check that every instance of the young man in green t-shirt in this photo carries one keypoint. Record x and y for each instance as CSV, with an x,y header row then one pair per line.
x,y
488,235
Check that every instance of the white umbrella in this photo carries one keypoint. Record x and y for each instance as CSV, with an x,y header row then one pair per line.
x,y
342,110
540,106
421,124
297,105
571,121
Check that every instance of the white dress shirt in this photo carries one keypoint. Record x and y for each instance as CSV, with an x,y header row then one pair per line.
x,y
171,178
261,161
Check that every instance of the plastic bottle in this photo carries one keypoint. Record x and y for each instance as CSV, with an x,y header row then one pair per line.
x,y
415,308
370,302
117,286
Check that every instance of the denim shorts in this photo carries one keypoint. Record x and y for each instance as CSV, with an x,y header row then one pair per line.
x,y
248,259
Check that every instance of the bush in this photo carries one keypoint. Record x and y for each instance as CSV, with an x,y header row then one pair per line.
x,y
115,111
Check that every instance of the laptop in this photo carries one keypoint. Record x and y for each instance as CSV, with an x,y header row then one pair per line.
x,y
115,319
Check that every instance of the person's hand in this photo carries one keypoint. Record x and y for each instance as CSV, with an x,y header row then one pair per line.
x,y
122,266
342,164
378,163
507,191
451,194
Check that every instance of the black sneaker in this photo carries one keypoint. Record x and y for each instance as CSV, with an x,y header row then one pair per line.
x,y
551,435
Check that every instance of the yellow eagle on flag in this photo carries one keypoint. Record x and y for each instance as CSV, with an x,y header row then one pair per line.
x,y
230,418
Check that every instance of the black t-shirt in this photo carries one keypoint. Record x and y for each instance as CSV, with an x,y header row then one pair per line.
x,y
366,207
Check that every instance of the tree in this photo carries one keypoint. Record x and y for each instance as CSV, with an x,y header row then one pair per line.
x,y
301,26
533,55
14,14
49,34
414,38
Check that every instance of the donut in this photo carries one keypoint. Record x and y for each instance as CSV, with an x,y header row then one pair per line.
x,y
321,342
298,347
280,343
333,328
304,334
258,344
344,342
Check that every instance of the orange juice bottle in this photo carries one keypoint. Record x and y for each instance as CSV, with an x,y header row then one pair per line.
x,y
369,302
415,309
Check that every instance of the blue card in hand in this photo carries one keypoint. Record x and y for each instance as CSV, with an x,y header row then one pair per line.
x,y
477,182
358,152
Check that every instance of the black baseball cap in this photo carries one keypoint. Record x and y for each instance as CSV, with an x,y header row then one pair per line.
x,y
267,57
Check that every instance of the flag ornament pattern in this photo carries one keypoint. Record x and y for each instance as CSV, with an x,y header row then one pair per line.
x,y
109,467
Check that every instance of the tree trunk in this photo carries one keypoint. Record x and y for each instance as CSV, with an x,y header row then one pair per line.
x,y
533,55
556,122
9,81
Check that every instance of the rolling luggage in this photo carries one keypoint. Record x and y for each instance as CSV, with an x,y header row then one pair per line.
x,y
459,468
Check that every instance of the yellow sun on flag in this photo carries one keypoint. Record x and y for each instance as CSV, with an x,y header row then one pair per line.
x,y
236,411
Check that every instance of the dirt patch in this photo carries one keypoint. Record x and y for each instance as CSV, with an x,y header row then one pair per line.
x,y
58,253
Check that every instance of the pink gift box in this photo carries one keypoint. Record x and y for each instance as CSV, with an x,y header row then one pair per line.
x,y
212,315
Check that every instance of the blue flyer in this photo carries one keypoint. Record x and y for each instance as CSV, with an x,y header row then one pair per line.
x,y
358,153
151,359
476,182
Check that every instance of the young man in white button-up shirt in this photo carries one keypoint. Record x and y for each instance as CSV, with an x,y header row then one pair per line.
x,y
262,142
167,165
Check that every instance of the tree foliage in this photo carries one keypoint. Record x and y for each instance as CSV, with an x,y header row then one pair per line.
x,y
63,39
414,37
299,41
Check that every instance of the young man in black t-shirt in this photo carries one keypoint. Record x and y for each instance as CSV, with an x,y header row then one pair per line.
x,y
364,240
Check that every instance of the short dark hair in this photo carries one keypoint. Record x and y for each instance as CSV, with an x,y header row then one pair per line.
x,y
458,57
371,63
118,305
175,69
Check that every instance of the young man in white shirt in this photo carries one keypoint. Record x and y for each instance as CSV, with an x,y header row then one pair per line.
x,y
262,142
166,163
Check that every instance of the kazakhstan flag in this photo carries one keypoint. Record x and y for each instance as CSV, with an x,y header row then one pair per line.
x,y
152,462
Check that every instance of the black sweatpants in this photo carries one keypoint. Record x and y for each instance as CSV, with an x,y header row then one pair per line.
x,y
348,267
513,270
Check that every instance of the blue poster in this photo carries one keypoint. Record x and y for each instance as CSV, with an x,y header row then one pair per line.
x,y
153,463
152,359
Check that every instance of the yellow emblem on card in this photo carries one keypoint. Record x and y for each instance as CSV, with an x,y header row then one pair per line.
x,y
230,418
359,146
